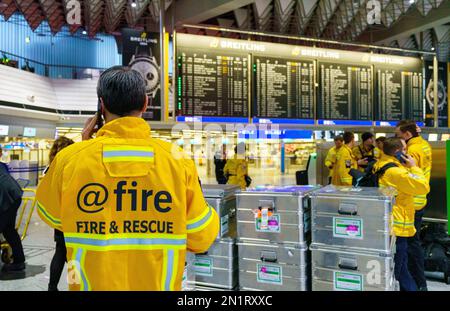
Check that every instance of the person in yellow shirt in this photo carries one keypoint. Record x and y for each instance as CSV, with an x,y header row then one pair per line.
x,y
408,180
345,160
330,159
365,150
129,205
236,169
378,151
420,150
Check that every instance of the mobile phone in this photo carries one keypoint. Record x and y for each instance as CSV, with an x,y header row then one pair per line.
x,y
399,155
99,115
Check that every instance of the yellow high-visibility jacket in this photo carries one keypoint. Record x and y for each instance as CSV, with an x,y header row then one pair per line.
x,y
407,184
378,153
360,152
420,150
330,160
236,169
344,162
130,207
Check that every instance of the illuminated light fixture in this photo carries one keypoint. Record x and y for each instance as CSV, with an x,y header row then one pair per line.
x,y
432,48
27,40
84,32
412,1
133,4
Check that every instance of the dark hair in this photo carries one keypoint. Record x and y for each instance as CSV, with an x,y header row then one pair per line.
x,y
59,144
392,145
348,137
381,139
122,90
339,138
365,136
408,126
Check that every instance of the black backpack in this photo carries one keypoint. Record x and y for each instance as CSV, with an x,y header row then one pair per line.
x,y
369,178
10,192
436,245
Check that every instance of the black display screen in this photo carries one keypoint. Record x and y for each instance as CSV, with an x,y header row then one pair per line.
x,y
345,92
283,88
399,95
212,84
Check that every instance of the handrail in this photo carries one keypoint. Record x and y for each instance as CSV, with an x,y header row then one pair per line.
x,y
48,65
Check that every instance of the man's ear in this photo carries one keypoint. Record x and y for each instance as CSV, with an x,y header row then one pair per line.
x,y
144,109
102,106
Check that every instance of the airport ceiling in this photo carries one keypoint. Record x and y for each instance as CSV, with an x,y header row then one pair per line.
x,y
412,24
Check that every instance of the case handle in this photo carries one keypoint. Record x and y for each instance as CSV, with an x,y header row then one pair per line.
x,y
348,264
268,256
348,209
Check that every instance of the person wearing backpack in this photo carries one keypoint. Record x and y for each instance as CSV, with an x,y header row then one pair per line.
x,y
10,200
365,150
345,160
420,150
408,180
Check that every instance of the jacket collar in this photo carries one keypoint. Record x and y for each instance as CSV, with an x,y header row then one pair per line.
x,y
388,159
126,127
413,140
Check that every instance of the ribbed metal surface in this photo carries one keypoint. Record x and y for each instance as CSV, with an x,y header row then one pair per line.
x,y
62,49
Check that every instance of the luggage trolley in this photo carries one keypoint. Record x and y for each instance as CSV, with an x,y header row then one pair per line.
x,y
25,212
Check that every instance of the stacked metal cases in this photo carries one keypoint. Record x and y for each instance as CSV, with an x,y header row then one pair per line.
x,y
217,269
274,233
188,281
352,247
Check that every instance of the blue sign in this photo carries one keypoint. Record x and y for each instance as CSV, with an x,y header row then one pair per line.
x,y
345,122
394,123
211,119
275,134
283,121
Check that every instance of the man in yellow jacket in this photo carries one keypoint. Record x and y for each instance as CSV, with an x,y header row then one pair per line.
x,y
365,150
408,180
330,159
345,160
129,205
236,169
420,150
378,151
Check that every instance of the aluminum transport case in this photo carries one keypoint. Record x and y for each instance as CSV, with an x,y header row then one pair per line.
x,y
274,267
275,214
222,198
335,269
188,281
218,267
352,218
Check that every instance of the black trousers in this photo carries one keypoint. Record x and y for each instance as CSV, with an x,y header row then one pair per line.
x,y
416,257
58,261
8,229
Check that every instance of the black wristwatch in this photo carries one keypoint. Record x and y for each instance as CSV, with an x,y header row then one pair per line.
x,y
145,63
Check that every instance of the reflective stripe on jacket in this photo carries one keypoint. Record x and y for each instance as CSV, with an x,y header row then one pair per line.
x,y
420,150
330,160
344,162
130,206
407,183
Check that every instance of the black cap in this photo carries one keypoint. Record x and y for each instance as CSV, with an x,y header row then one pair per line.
x,y
366,136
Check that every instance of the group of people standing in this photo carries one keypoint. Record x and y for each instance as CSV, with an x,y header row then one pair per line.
x,y
405,162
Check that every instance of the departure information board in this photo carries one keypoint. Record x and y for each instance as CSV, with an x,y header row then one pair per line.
x,y
231,80
212,84
345,92
399,95
283,88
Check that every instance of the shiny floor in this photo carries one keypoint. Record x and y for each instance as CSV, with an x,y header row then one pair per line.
x,y
39,246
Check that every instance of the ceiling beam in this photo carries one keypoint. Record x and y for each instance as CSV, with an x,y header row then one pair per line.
x,y
197,11
413,23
